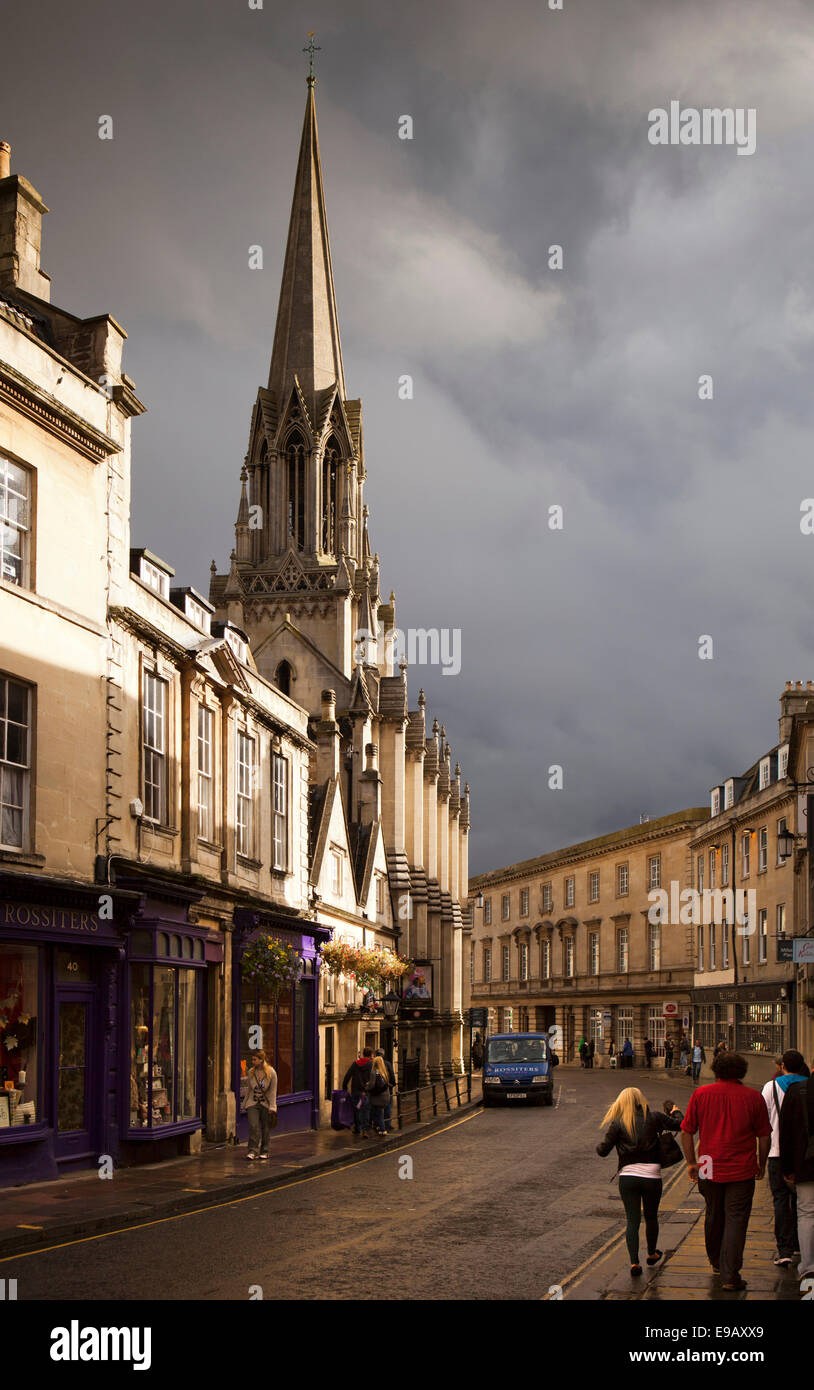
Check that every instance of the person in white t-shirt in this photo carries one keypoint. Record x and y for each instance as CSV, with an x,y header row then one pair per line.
x,y
792,1069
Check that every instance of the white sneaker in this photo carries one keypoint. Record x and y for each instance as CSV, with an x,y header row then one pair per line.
x,y
251,1156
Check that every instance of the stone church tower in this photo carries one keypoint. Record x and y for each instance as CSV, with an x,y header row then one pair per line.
x,y
303,584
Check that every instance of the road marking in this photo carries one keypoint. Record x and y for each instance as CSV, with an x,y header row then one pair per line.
x,y
234,1201
604,1250
559,1098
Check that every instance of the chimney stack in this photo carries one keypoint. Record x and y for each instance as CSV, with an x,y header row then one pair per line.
x,y
370,786
327,739
21,213
796,699
5,159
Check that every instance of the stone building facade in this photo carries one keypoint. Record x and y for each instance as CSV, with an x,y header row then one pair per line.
x,y
565,942
304,585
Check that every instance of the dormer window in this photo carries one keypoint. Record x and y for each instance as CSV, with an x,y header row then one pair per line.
x,y
237,644
783,761
154,578
729,793
765,773
198,615
715,801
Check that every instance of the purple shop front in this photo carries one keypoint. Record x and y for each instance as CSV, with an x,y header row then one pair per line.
x,y
286,1028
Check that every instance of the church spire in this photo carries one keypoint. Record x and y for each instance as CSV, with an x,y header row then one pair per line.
x,y
306,337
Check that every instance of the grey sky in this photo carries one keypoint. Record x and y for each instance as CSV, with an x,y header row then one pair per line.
x,y
532,387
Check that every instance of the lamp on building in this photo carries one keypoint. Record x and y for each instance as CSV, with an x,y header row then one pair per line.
x,y
785,843
391,1005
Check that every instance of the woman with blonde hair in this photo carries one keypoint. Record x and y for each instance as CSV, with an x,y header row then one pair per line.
x,y
378,1089
634,1130
261,1104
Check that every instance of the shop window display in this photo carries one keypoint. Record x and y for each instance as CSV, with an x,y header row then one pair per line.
x,y
163,1045
19,1003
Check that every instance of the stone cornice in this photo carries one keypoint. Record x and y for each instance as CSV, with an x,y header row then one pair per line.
x,y
45,410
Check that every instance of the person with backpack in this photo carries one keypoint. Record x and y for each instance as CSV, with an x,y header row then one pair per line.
x,y
797,1164
792,1069
355,1082
261,1105
635,1131
378,1090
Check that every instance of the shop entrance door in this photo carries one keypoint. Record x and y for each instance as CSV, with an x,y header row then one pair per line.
x,y
74,1097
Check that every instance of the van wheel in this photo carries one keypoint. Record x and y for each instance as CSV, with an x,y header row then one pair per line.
x,y
548,1099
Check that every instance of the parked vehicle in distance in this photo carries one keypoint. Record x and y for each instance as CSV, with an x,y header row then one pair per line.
x,y
518,1066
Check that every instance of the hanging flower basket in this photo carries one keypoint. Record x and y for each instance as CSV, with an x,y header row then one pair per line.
x,y
368,966
269,962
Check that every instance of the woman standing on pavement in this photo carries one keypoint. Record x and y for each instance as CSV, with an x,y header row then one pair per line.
x,y
378,1089
633,1130
261,1105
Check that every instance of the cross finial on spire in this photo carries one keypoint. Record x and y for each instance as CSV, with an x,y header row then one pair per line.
x,y
311,48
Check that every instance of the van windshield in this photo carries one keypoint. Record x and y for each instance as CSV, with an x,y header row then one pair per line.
x,y
523,1050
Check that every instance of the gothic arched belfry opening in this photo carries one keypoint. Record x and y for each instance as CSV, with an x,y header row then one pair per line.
x,y
304,584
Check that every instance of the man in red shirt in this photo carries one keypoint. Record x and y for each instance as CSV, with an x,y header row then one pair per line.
x,y
728,1118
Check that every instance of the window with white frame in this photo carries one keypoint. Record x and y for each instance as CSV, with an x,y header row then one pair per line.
x,y
154,747
593,952
569,892
15,762
700,947
655,945
593,886
524,902
654,871
762,849
15,523
747,951
154,577
487,964
487,912
713,945
244,818
548,897
712,869
569,957
781,919
622,880
783,761
545,959
762,936
505,963
279,781
336,872
524,961
622,949
197,614
729,793
238,646
699,873
380,896
724,948
506,906
724,865
206,774
747,853
764,773
715,801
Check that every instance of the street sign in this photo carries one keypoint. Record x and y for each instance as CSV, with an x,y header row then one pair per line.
x,y
785,948
670,1009
803,949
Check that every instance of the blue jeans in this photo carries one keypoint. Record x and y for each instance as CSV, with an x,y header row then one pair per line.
x,y
377,1115
696,1071
361,1113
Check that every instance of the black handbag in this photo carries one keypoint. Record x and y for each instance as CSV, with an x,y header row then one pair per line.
x,y
669,1150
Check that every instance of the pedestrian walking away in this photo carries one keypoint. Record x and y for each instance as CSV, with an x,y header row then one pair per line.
x,y
797,1164
591,1053
355,1081
378,1090
583,1052
634,1130
668,1054
261,1105
648,1053
684,1053
792,1068
627,1053
698,1056
391,1080
730,1119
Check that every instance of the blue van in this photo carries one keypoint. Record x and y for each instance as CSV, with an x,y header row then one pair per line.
x,y
518,1066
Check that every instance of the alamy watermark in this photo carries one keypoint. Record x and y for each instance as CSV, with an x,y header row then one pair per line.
x,y
691,907
418,646
711,125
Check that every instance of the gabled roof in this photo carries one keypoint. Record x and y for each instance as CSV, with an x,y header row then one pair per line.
x,y
306,336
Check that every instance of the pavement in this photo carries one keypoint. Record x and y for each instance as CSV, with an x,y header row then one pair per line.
x,y
82,1203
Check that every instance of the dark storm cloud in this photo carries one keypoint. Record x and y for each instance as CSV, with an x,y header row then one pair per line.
x,y
532,387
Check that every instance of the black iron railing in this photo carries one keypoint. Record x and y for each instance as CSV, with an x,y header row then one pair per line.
x,y
436,1098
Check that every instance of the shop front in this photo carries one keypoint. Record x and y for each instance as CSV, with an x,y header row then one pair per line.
x,y
59,969
283,1024
754,1020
